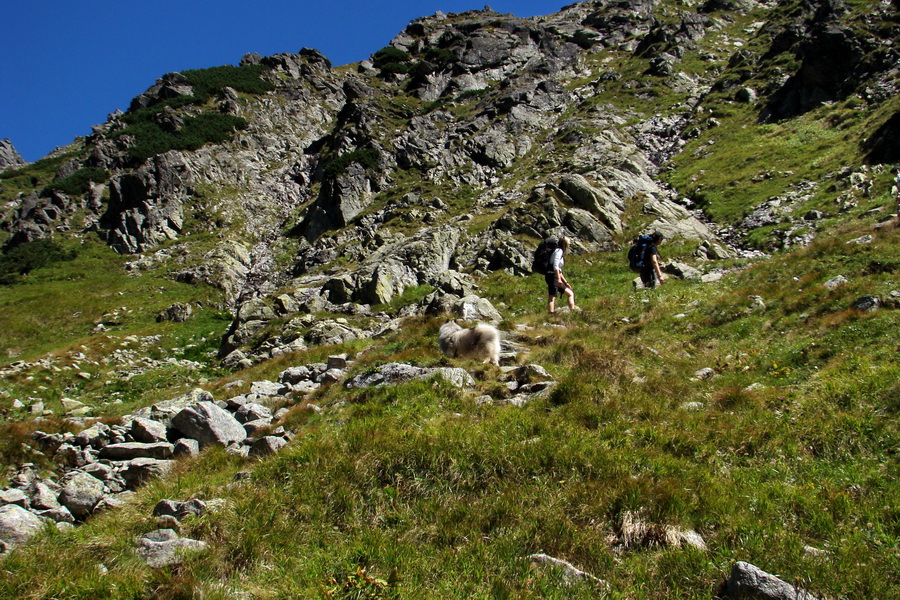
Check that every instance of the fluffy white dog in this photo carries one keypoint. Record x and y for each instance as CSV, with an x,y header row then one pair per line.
x,y
479,342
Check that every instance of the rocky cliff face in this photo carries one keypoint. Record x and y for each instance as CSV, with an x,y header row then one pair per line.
x,y
451,151
8,155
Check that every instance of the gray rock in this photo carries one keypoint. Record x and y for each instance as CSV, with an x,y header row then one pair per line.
x,y
14,496
60,514
132,450
254,427
95,436
267,445
337,361
177,313
683,271
44,497
179,510
80,494
530,374
146,205
186,447
163,412
571,574
208,424
705,373
163,548
750,582
294,375
867,303
9,157
147,431
252,412
474,308
236,360
138,471
835,282
601,202
269,388
395,373
456,376
17,526
101,471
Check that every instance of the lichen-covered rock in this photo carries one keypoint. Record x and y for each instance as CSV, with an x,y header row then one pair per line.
x,y
208,424
17,526
80,493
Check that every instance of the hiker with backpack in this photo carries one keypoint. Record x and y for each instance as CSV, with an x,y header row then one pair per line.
x,y
556,281
643,258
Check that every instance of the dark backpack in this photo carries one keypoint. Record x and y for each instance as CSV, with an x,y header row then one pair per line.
x,y
636,254
542,255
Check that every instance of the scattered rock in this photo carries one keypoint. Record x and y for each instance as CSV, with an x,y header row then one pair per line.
x,y
17,526
571,574
80,494
163,548
750,582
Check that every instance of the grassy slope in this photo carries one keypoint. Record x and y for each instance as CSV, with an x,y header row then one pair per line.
x,y
420,486
416,491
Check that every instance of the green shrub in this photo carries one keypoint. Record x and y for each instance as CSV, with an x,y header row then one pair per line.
x,y
367,157
245,79
392,60
78,182
25,258
205,128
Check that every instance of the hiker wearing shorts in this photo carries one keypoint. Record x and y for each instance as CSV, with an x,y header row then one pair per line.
x,y
556,281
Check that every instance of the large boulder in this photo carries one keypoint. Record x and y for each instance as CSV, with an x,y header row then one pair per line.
x,y
81,493
397,373
17,526
164,411
209,424
475,308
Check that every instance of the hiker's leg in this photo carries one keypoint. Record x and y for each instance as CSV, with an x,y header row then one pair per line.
x,y
571,294
551,305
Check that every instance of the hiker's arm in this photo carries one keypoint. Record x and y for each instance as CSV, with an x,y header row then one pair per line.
x,y
659,275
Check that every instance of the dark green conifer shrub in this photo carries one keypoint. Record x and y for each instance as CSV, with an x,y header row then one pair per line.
x,y
367,157
78,182
25,258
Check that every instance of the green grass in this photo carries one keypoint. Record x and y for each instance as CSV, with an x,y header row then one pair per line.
x,y
417,491
389,482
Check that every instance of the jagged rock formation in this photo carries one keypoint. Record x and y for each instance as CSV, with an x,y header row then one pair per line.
x,y
8,155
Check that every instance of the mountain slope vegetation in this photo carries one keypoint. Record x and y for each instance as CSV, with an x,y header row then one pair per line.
x,y
239,222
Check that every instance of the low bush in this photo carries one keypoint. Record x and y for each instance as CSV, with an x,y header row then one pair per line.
x,y
78,182
367,157
25,258
205,128
244,79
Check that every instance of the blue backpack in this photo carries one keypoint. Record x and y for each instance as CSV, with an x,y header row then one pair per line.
x,y
637,251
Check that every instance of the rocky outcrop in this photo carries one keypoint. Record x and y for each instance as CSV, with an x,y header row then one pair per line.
x,y
8,155
146,207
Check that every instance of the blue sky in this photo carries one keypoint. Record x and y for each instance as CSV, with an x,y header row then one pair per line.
x,y
65,65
